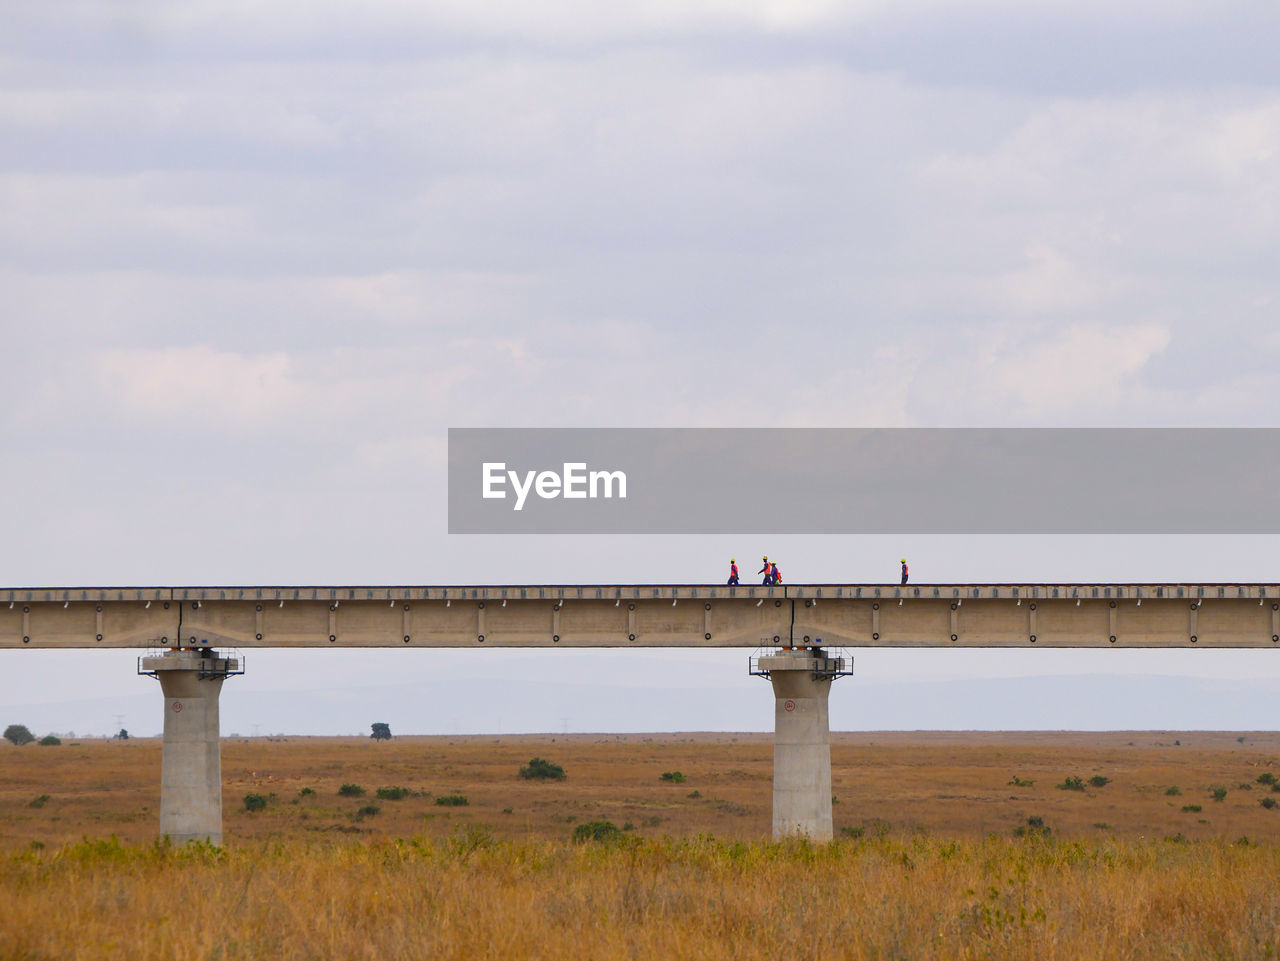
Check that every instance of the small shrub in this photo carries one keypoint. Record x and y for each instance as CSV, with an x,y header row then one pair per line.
x,y
307,792
852,832
1268,802
673,777
539,769
1266,777
1072,784
368,811
1099,781
470,838
1191,808
508,810
1034,828
351,790
452,800
393,793
694,794
1218,793
1102,825
39,802
255,802
628,826
1173,791
1020,782
50,740
602,831
1176,838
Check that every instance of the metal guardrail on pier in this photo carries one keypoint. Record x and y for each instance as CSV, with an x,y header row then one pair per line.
x,y
827,662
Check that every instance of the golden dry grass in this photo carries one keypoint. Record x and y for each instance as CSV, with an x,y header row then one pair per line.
x,y
935,871
471,897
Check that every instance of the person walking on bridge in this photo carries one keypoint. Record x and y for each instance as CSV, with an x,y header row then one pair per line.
x,y
775,573
767,571
905,575
733,570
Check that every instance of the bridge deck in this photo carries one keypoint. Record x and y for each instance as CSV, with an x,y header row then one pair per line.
x,y
1236,615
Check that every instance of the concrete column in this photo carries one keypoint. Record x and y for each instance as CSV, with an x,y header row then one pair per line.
x,y
801,742
191,768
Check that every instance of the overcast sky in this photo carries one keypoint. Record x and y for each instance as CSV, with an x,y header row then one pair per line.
x,y
256,258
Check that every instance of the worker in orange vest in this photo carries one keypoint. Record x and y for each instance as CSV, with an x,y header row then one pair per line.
x,y
767,571
733,570
905,575
775,574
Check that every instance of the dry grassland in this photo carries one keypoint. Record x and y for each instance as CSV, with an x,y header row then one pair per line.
x,y
928,865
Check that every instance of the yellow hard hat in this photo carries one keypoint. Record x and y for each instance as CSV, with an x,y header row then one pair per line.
x,y
765,558
733,560
904,560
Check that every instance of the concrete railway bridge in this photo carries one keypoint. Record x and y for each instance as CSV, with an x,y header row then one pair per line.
x,y
800,634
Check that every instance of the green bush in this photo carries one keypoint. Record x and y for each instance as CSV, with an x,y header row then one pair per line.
x,y
602,831
694,794
18,734
1072,784
1268,802
50,740
1034,828
673,777
1191,808
39,802
351,790
1218,793
307,792
1019,782
1266,777
1099,781
255,802
1173,791
393,793
452,800
539,769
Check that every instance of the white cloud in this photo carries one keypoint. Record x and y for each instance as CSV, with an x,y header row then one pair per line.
x,y
200,385
1086,367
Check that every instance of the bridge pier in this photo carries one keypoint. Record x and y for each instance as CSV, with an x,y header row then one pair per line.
x,y
801,681
191,766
